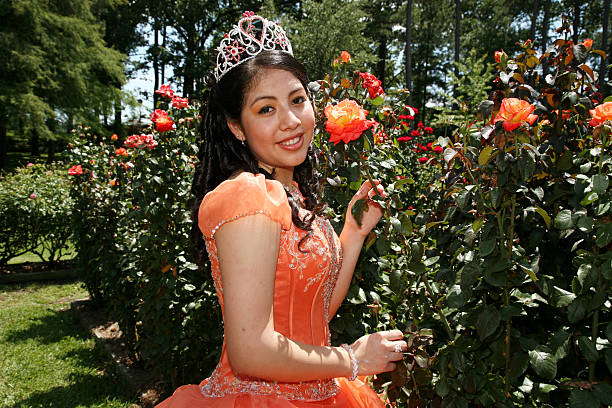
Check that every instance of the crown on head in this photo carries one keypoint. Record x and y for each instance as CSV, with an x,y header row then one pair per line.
x,y
252,35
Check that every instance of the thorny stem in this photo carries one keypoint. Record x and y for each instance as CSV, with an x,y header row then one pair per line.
x,y
447,327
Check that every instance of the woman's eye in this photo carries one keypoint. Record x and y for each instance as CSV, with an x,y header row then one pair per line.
x,y
299,99
265,109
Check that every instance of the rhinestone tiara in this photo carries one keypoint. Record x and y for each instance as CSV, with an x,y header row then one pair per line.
x,y
252,35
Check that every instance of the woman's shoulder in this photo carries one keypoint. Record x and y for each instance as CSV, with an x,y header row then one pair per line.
x,y
240,196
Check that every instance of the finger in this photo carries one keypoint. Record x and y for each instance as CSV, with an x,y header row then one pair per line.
x,y
396,356
398,346
390,366
381,192
394,335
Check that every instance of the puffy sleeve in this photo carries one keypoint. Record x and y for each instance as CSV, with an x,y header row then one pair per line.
x,y
245,195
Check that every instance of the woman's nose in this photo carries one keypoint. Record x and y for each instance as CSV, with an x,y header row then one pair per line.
x,y
289,119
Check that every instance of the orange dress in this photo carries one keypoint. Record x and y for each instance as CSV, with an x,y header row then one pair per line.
x,y
303,286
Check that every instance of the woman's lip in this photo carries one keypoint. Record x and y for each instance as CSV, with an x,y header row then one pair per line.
x,y
294,146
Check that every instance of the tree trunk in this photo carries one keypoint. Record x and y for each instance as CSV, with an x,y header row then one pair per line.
x,y
155,63
3,141
118,113
161,60
534,19
457,42
576,21
35,143
408,51
189,67
382,59
545,27
50,150
603,68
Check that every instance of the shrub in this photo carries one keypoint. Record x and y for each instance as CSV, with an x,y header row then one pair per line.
x,y
36,210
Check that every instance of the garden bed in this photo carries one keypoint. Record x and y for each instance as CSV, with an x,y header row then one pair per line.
x,y
37,271
95,320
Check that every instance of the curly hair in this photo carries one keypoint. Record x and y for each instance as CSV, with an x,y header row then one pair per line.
x,y
221,154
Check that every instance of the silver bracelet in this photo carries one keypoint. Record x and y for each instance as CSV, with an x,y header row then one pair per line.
x,y
354,362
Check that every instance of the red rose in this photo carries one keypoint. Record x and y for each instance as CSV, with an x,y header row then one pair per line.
x,y
178,102
76,169
404,139
428,130
513,112
166,91
157,114
415,133
372,84
423,159
600,114
346,121
438,149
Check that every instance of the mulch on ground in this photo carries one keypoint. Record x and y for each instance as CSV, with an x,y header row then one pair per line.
x,y
95,320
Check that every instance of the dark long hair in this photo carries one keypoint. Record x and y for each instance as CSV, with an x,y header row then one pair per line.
x,y
221,154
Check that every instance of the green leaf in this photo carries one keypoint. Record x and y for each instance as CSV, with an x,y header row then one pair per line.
x,y
485,155
544,215
583,399
469,274
603,235
457,297
599,183
608,358
396,282
477,224
603,392
487,322
189,287
609,331
590,198
563,220
577,309
378,100
543,362
585,224
560,297
518,364
588,348
487,247
357,210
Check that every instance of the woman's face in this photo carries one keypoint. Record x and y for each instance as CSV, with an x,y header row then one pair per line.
x,y
277,120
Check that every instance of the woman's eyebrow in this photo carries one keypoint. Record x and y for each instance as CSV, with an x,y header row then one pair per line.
x,y
274,97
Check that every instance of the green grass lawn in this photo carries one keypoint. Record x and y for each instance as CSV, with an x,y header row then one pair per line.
x,y
46,358
67,255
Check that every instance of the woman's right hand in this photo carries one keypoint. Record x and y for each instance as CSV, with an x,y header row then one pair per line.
x,y
376,352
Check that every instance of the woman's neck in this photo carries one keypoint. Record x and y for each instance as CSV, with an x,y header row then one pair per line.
x,y
285,176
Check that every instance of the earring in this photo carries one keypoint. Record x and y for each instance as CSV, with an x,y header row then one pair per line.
x,y
243,144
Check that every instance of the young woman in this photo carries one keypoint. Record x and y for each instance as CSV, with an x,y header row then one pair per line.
x,y
279,269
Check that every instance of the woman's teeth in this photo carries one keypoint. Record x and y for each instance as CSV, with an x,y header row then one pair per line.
x,y
291,141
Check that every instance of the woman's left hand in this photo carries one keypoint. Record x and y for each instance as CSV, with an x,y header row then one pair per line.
x,y
371,215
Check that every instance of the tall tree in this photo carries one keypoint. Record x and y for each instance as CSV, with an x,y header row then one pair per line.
x,y
330,27
605,46
457,39
408,51
58,65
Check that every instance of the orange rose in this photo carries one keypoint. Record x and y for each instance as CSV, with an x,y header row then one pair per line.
x,y
346,121
345,57
588,43
114,136
164,124
499,55
601,113
121,152
513,112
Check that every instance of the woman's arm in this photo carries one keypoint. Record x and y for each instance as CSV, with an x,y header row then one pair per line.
x,y
351,238
248,254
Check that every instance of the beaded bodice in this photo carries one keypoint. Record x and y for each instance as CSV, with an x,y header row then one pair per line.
x,y
305,277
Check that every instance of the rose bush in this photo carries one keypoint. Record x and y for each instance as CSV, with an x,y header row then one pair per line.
x,y
36,211
493,255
